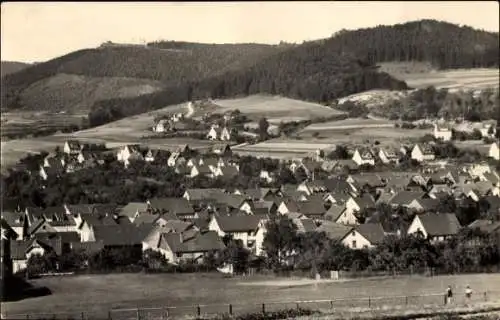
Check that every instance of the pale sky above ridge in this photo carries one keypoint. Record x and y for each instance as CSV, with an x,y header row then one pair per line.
x,y
39,31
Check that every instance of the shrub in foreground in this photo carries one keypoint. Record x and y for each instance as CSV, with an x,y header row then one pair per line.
x,y
282,314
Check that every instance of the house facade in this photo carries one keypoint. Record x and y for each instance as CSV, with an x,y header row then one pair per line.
x,y
421,152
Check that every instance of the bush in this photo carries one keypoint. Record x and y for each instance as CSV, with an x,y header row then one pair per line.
x,y
282,314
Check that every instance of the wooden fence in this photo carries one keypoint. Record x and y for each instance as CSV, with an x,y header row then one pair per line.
x,y
201,310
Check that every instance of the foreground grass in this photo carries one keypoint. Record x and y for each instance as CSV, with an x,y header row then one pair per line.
x,y
100,293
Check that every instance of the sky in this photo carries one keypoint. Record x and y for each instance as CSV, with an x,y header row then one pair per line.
x,y
39,31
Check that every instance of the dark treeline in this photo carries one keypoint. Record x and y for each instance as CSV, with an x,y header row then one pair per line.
x,y
443,44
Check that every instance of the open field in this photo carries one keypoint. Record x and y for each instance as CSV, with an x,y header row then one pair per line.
x,y
98,293
454,79
350,124
277,109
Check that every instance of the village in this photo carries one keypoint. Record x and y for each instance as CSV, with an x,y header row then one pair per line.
x,y
337,196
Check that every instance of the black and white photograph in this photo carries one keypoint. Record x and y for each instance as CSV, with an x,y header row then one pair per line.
x,y
250,160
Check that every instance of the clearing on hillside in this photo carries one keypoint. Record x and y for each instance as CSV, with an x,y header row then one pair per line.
x,y
277,109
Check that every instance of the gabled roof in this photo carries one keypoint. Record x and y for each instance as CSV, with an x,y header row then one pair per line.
x,y
98,220
305,225
74,145
256,193
428,204
311,207
442,224
13,219
132,208
334,212
404,198
338,185
231,200
198,242
371,180
243,223
121,235
334,231
178,206
486,226
229,171
373,232
366,201
426,149
7,232
202,169
147,218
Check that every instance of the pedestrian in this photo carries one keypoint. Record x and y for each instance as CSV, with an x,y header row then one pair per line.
x,y
468,294
449,295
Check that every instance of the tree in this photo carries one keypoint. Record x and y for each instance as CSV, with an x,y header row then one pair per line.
x,y
340,152
234,254
263,127
279,241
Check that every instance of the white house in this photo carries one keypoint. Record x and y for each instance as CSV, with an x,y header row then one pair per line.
x,y
218,133
436,227
129,152
494,151
423,152
249,229
363,156
388,155
160,126
364,236
266,176
442,132
174,159
72,147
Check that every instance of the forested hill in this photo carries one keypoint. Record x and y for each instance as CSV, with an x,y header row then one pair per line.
x,y
443,44
8,67
313,71
171,66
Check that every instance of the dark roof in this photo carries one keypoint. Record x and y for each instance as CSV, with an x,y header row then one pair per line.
x,y
406,197
305,225
120,235
74,144
178,206
13,219
18,249
239,223
373,232
231,200
366,201
334,212
7,231
371,180
428,203
89,247
198,242
201,223
132,208
257,193
229,171
98,220
65,237
334,231
146,218
442,224
338,185
311,207
486,226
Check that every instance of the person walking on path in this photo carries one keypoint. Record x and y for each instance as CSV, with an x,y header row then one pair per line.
x,y
449,295
468,294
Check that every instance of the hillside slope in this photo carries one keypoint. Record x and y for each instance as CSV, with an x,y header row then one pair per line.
x,y
8,67
153,62
313,71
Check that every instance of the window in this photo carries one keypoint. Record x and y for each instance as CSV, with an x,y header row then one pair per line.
x,y
354,243
178,255
353,233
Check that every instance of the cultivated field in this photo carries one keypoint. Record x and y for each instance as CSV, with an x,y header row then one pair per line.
x,y
454,79
282,148
98,293
277,109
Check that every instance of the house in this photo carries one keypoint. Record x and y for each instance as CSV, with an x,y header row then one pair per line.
x,y
258,193
494,151
218,133
404,198
227,172
232,202
177,206
8,235
339,214
436,227
306,166
363,157
486,226
359,204
200,170
364,236
56,170
189,245
266,176
90,221
249,229
423,152
150,155
334,231
200,195
16,221
442,132
132,210
423,205
304,225
72,147
175,159
313,209
388,155
161,125
129,152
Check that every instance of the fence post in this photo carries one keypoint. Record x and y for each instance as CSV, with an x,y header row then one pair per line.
x,y
485,296
198,310
406,300
230,309
109,315
263,308
82,316
138,314
369,302
166,313
331,304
